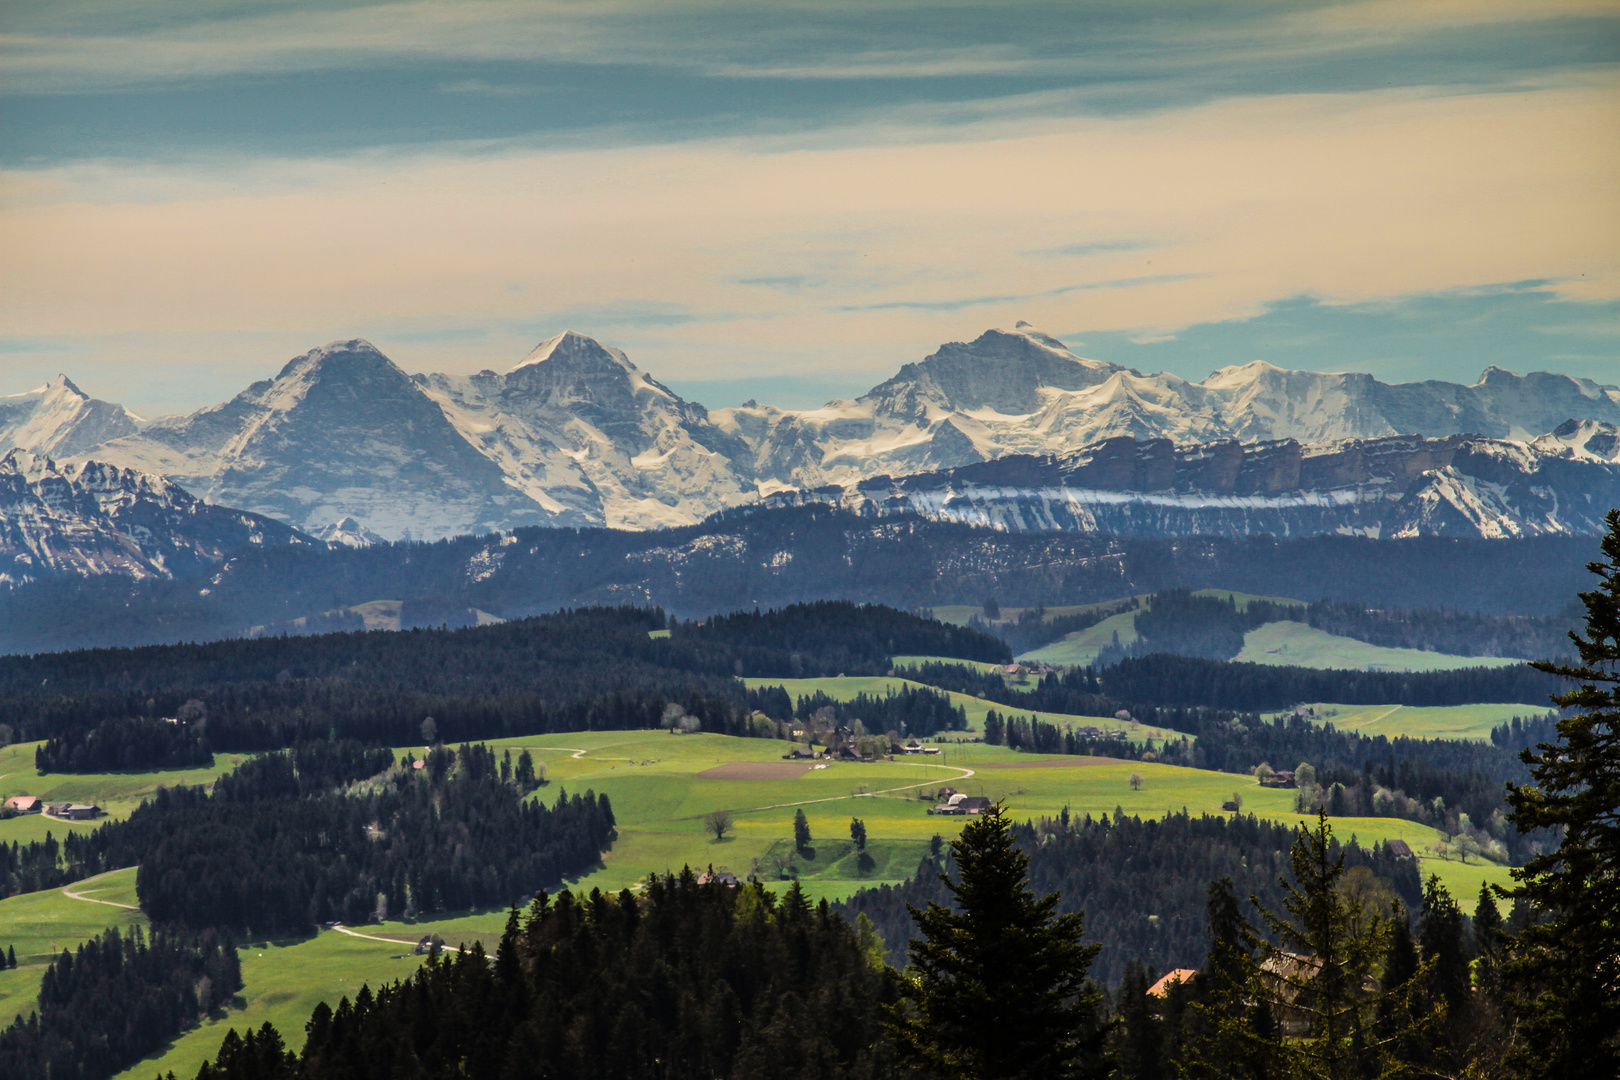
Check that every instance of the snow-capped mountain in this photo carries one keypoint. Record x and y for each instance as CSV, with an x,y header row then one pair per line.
x,y
1021,391
575,434
1397,486
584,433
339,432
60,420
94,518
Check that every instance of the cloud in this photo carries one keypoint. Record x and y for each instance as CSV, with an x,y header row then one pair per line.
x,y
833,189
1454,335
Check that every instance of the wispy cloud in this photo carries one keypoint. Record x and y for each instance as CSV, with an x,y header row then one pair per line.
x,y
981,301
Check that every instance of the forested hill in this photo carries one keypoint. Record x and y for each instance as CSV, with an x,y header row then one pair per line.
x,y
594,668
1142,884
774,558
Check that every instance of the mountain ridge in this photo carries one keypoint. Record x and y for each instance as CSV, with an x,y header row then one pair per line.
x,y
574,434
95,519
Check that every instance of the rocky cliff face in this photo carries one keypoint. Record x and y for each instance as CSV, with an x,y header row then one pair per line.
x,y
94,518
1398,486
576,435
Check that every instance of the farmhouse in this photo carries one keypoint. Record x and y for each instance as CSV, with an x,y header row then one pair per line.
x,y
1280,778
1399,848
25,804
962,804
82,811
718,877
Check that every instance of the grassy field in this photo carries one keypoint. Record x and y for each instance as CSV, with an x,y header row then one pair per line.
x,y
283,982
1299,645
116,793
1422,722
660,796
847,688
40,925
1081,647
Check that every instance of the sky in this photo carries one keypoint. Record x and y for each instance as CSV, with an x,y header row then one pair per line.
x,y
787,201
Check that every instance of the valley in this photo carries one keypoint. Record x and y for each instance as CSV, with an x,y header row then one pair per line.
x,y
660,797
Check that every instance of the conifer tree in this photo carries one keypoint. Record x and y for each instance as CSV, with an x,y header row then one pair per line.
x,y
1139,1038
1229,1031
1319,971
801,829
996,988
1565,966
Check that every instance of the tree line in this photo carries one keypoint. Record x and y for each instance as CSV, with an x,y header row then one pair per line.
x,y
273,852
679,981
732,562
1141,883
127,743
592,669
117,998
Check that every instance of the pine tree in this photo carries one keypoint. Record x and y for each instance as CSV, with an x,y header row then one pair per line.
x,y
857,833
1139,1038
996,988
11,957
1487,927
1230,1035
1565,966
801,830
1319,972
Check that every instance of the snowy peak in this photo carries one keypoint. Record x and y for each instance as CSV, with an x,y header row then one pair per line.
x,y
60,419
1584,440
1002,371
574,352
340,431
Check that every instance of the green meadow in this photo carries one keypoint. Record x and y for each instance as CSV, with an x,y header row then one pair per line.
x,y
40,925
1080,648
283,982
662,786
847,688
1422,722
1299,645
118,793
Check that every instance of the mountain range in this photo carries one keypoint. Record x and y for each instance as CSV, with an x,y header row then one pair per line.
x,y
1561,483
343,444
96,519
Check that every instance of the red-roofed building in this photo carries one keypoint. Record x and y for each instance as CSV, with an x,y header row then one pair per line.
x,y
1162,987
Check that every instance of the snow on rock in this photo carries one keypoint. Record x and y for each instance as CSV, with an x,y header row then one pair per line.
x,y
1394,486
575,434
340,431
59,419
94,518
349,533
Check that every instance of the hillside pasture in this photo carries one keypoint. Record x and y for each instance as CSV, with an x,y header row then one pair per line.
x,y
661,786
118,793
283,981
1080,648
848,688
1421,722
1297,645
